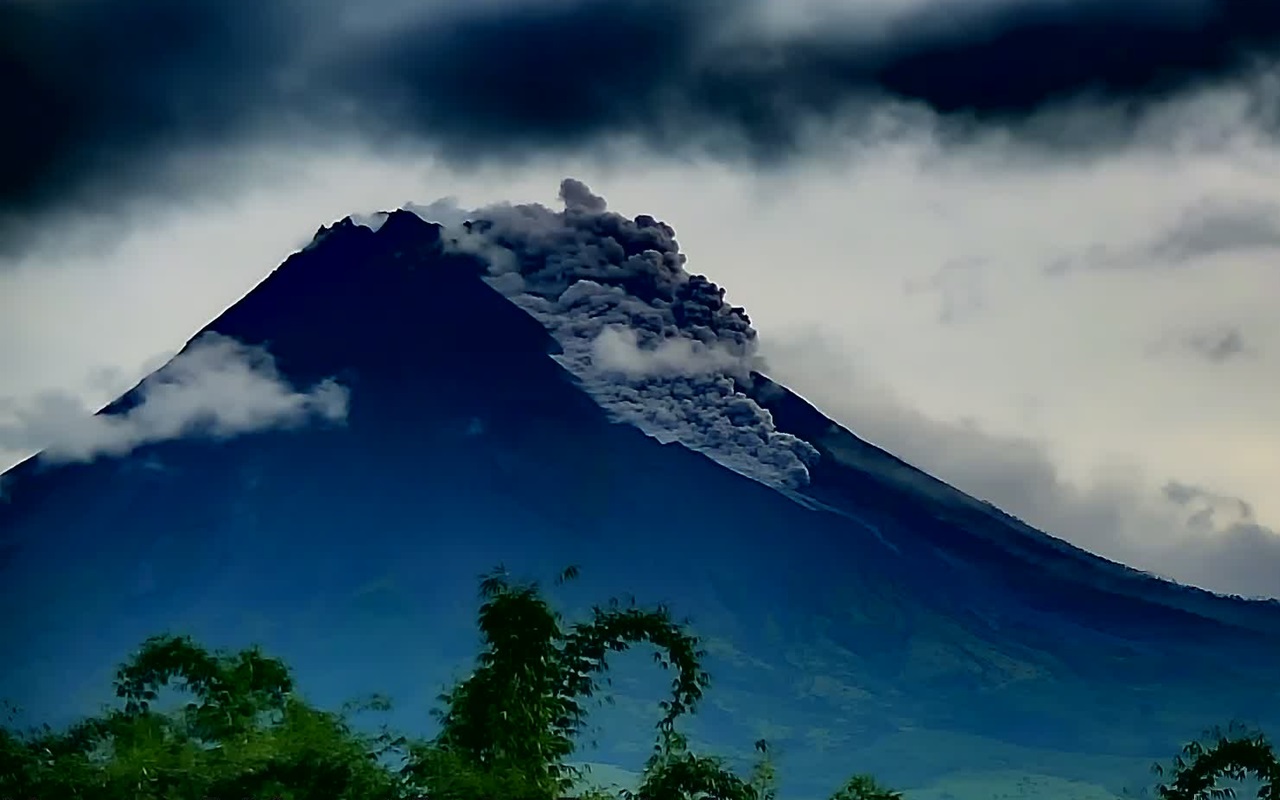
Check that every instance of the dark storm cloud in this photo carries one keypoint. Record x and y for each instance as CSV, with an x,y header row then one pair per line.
x,y
95,92
99,93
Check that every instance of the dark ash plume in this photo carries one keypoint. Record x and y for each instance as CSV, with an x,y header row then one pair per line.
x,y
656,346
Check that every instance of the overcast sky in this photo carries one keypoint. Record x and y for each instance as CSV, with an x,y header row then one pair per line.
x,y
1066,307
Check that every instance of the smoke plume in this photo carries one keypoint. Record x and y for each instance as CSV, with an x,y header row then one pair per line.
x,y
655,345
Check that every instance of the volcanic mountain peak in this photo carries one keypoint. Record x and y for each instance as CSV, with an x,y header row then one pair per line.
x,y
655,345
659,347
503,376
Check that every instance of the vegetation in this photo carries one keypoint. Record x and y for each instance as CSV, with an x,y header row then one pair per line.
x,y
1234,755
506,732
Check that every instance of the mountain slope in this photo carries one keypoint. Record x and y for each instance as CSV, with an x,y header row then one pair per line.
x,y
857,612
853,474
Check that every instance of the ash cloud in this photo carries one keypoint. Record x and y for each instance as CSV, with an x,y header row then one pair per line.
x,y
217,388
656,346
1216,345
1213,229
1209,510
1209,229
959,286
111,98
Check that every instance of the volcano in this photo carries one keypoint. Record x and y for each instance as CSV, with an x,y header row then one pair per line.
x,y
538,388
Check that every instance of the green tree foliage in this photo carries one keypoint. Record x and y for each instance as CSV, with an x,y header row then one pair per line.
x,y
1233,755
674,773
864,787
513,723
764,776
506,732
243,735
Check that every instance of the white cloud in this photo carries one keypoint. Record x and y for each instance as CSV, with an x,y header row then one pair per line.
x,y
617,348
216,388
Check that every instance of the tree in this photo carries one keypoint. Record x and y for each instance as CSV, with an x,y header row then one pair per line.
x,y
243,735
864,787
513,723
674,773
507,730
1232,755
505,733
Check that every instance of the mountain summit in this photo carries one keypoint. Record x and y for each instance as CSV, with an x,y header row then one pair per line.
x,y
419,395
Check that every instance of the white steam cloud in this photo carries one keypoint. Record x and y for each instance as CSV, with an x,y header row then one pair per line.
x,y
216,388
617,349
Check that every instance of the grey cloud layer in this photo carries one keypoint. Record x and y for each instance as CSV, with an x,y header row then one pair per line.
x,y
216,388
104,93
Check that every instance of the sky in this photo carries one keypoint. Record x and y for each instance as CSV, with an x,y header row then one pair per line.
x,y
1029,246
